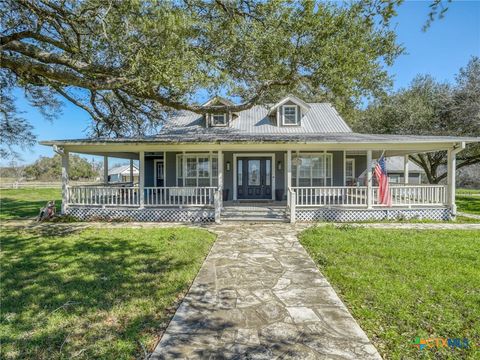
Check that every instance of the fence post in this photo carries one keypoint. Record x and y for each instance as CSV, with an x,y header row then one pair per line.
x,y
218,205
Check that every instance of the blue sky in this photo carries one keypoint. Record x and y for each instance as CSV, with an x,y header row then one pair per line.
x,y
446,46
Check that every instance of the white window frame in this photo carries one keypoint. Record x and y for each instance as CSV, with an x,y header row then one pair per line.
x,y
347,178
164,160
224,123
180,170
326,170
397,178
296,115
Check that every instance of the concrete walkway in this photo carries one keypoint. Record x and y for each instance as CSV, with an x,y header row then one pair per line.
x,y
259,295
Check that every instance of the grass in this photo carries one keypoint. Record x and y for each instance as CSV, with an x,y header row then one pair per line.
x,y
400,284
26,203
95,293
468,203
462,191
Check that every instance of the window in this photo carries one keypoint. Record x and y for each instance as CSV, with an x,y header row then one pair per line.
x,y
290,115
200,170
394,179
312,170
350,171
219,119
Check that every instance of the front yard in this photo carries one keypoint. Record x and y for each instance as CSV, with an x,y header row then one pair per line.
x,y
96,293
403,284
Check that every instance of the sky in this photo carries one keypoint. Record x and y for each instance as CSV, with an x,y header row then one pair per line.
x,y
440,51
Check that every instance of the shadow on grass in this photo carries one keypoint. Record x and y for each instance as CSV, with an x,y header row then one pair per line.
x,y
17,209
64,290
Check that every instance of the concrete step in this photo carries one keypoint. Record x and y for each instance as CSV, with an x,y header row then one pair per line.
x,y
257,214
254,219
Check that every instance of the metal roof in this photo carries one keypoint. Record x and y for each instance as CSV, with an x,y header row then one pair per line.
x,y
395,164
123,169
227,135
320,118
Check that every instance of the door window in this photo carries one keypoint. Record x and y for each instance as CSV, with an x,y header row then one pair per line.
x,y
253,172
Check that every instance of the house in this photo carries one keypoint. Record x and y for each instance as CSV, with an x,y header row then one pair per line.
x,y
122,174
396,171
290,160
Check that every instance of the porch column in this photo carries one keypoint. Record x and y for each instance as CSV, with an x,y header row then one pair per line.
x,y
65,163
369,180
405,169
451,167
105,169
289,174
141,179
131,171
220,175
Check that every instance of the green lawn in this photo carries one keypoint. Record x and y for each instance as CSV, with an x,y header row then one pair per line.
x,y
400,284
95,293
24,203
468,203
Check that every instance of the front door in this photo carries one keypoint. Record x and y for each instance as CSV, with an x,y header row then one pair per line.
x,y
254,178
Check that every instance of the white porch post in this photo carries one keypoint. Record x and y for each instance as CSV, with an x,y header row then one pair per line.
x,y
289,174
405,169
105,169
220,175
451,165
131,171
141,184
369,180
65,163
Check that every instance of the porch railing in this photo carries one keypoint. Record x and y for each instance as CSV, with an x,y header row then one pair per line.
x,y
102,195
130,196
349,196
415,195
179,196
325,196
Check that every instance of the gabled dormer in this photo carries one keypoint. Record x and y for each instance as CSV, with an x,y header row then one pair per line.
x,y
218,119
289,111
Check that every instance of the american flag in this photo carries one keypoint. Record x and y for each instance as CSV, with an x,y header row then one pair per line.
x,y
384,195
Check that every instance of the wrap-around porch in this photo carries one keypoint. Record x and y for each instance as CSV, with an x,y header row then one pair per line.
x,y
308,185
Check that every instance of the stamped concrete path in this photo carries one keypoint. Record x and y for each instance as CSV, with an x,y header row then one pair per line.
x,y
259,295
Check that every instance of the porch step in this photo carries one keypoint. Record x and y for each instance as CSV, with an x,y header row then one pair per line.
x,y
253,213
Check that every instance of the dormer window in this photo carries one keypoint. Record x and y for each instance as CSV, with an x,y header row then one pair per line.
x,y
290,115
288,111
219,119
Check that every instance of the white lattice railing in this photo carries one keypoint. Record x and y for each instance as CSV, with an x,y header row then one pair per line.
x,y
356,196
330,195
415,195
179,196
102,195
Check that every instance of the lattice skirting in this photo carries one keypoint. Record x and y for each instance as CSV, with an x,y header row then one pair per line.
x,y
146,214
346,215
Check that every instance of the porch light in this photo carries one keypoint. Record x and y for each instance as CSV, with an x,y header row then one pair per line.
x,y
279,165
228,165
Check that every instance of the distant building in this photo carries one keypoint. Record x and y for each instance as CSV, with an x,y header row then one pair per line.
x,y
122,174
395,170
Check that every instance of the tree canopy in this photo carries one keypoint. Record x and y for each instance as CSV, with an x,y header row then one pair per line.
x,y
128,63
429,107
50,168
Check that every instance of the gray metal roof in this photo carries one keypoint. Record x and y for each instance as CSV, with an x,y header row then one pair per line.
x,y
123,169
321,118
395,164
227,135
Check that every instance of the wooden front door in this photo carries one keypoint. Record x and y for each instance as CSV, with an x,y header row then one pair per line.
x,y
254,178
